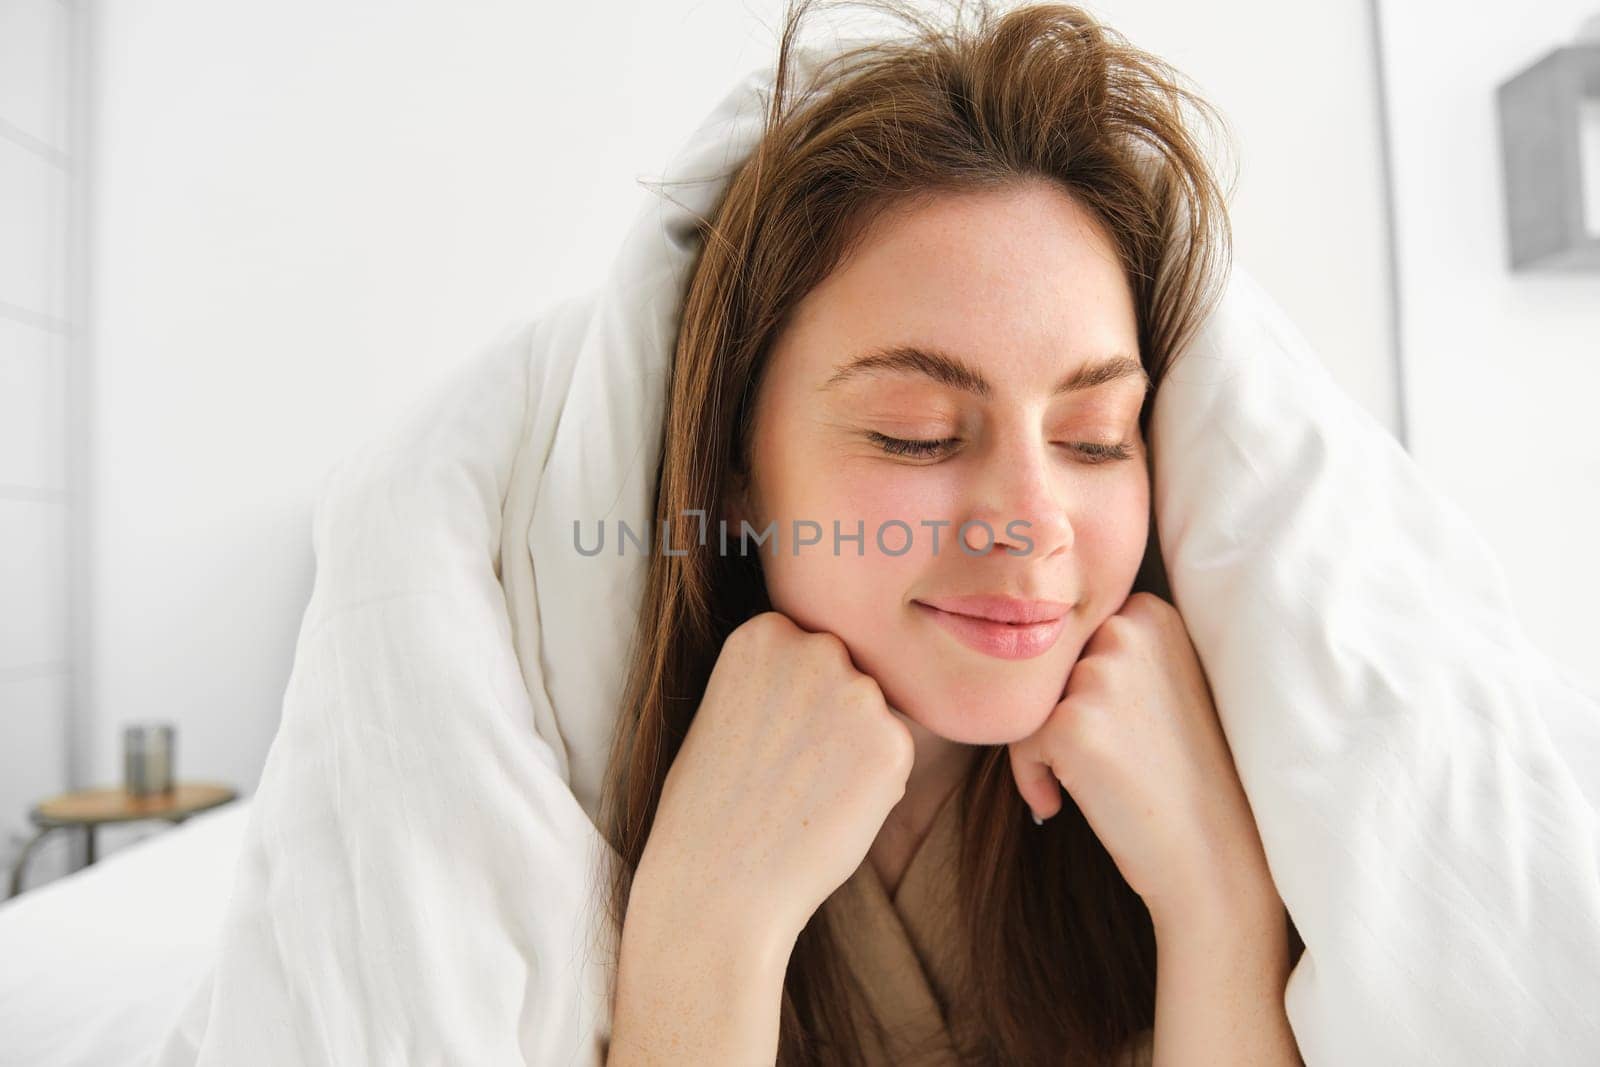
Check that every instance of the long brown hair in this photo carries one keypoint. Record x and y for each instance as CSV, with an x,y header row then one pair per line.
x,y
1061,951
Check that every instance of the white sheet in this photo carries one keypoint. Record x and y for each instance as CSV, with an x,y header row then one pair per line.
x,y
416,883
96,966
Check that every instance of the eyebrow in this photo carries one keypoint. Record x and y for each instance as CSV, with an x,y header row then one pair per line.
x,y
948,370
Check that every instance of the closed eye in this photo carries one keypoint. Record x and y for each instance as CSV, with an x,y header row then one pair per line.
x,y
1092,451
899,446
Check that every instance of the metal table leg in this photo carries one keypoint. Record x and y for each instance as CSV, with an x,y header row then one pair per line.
x,y
21,865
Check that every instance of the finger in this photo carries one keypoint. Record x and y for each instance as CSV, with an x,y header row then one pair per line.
x,y
1036,781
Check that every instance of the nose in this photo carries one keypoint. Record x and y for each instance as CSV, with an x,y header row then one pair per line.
x,y
1015,495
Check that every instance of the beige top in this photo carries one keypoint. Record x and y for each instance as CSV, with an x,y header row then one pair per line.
x,y
904,949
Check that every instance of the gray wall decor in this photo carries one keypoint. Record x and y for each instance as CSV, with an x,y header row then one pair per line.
x,y
1550,147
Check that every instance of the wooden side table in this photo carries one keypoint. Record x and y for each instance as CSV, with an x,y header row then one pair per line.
x,y
89,808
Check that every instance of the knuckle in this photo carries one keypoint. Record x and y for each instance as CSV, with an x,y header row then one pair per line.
x,y
863,690
850,708
1123,622
1090,669
1150,606
1123,628
1084,722
758,629
829,648
901,751
772,622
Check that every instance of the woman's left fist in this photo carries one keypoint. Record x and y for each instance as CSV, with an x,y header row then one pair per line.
x,y
1136,742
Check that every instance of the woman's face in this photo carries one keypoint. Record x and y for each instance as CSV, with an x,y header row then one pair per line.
x,y
1011,293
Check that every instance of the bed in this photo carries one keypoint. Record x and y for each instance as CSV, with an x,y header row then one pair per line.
x,y
96,966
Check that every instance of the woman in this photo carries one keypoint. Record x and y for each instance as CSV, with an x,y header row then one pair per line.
x,y
917,358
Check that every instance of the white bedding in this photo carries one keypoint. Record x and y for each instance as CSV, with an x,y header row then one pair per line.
x,y
416,879
95,966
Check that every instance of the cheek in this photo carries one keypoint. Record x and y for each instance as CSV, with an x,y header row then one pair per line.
x,y
852,590
1110,539
881,493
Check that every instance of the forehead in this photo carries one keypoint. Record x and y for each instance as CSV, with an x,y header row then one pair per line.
x,y
1022,283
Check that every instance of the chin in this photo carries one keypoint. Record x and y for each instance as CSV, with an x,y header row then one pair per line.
x,y
974,715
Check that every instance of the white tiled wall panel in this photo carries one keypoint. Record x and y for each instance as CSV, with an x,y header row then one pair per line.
x,y
33,204
36,187
33,405
33,69
33,587
33,765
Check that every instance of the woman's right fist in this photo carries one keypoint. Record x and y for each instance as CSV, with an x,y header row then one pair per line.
x,y
788,771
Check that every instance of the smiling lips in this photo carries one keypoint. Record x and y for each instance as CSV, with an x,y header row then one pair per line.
x,y
999,626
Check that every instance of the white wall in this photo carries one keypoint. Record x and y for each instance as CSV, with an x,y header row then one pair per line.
x,y
1298,84
306,212
1502,368
39,164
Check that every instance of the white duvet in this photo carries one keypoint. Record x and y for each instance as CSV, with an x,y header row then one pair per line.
x,y
418,878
